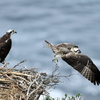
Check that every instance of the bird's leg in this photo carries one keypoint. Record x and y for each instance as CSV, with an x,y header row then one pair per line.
x,y
4,64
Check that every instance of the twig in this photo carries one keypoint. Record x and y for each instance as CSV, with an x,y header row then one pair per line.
x,y
20,74
28,83
20,63
34,91
56,68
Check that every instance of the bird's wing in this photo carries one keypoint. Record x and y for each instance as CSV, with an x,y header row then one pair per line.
x,y
84,65
4,37
4,49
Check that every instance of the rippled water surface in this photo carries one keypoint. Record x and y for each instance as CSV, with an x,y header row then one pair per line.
x,y
57,21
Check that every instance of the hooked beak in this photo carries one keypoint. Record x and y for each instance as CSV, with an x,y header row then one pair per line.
x,y
14,31
78,51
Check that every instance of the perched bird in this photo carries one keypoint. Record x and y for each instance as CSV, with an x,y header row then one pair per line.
x,y
5,45
71,54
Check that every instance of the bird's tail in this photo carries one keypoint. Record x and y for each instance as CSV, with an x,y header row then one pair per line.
x,y
51,46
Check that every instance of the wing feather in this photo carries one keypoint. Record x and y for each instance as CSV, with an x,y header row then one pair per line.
x,y
4,49
84,65
5,37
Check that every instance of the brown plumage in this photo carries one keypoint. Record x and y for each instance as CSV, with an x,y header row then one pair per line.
x,y
82,63
5,45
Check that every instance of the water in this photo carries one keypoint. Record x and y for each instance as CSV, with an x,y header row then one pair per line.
x,y
69,21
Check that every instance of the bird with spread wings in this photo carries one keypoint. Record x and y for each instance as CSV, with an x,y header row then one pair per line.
x,y
71,54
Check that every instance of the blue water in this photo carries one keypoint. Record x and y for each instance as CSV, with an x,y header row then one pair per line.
x,y
57,21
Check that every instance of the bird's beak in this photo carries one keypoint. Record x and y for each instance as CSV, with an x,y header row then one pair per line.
x,y
14,31
78,51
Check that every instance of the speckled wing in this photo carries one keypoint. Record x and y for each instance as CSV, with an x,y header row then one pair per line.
x,y
5,37
4,49
84,65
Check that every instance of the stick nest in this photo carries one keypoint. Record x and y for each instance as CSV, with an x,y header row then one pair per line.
x,y
25,84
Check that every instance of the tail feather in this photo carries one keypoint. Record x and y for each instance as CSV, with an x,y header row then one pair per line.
x,y
52,47
49,45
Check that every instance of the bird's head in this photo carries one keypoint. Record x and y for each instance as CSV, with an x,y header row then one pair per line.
x,y
66,48
73,48
11,31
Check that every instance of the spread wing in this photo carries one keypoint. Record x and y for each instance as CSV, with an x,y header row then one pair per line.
x,y
84,65
4,49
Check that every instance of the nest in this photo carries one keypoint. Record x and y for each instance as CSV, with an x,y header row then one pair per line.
x,y
25,84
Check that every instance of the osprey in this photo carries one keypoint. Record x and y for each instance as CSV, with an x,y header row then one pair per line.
x,y
5,45
71,54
